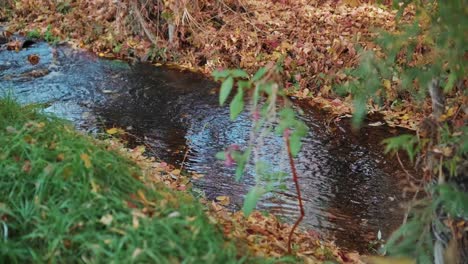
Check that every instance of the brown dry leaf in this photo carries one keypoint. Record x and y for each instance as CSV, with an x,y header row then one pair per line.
x,y
14,45
26,166
60,157
33,59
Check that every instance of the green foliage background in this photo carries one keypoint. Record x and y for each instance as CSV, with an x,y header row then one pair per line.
x,y
431,46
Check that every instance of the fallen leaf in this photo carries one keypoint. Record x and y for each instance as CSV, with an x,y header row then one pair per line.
x,y
173,214
27,166
224,200
33,59
106,219
375,124
115,130
136,252
60,157
94,187
87,161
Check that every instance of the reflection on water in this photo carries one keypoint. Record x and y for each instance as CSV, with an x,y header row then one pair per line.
x,y
350,190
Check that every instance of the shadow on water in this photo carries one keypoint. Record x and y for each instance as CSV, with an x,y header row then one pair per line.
x,y
350,188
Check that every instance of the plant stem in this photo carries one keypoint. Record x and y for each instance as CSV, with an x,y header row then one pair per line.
x,y
298,191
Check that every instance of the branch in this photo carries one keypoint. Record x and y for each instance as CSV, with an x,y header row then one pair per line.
x,y
143,23
298,190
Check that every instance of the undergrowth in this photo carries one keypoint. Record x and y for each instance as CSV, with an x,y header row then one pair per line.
x,y
65,198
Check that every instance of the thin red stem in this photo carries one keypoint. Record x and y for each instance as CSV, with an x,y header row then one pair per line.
x,y
298,190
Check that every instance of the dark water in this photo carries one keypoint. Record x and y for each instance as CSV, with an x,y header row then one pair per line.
x,y
350,189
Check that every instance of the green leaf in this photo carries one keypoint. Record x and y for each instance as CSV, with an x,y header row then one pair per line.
x,y
453,200
226,88
287,118
239,171
220,75
251,199
237,104
241,160
243,84
406,142
360,111
295,144
450,82
259,74
238,73
256,96
301,128
221,155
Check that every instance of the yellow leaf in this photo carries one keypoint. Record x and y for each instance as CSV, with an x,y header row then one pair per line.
x,y
197,176
139,150
135,222
447,151
221,198
94,187
87,161
387,84
285,46
451,111
112,131
142,196
224,200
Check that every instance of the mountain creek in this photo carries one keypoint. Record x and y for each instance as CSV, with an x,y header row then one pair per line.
x,y
351,190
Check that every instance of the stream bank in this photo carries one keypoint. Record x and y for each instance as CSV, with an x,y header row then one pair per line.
x,y
350,188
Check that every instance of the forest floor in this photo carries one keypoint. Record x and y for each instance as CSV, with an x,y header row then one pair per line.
x,y
316,42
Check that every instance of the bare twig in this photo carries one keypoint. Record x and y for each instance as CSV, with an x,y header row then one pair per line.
x,y
140,18
409,176
185,157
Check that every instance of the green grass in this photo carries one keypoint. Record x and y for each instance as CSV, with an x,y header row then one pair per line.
x,y
58,187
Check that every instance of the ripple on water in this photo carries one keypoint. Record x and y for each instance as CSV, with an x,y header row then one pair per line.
x,y
346,182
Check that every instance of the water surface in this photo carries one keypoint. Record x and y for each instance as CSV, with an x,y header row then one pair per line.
x,y
351,190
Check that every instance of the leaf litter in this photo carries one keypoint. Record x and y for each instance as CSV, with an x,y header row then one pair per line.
x,y
263,235
314,40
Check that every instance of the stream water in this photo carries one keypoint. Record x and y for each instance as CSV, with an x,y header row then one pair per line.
x,y
350,189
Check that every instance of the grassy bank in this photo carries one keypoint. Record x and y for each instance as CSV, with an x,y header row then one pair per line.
x,y
65,197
